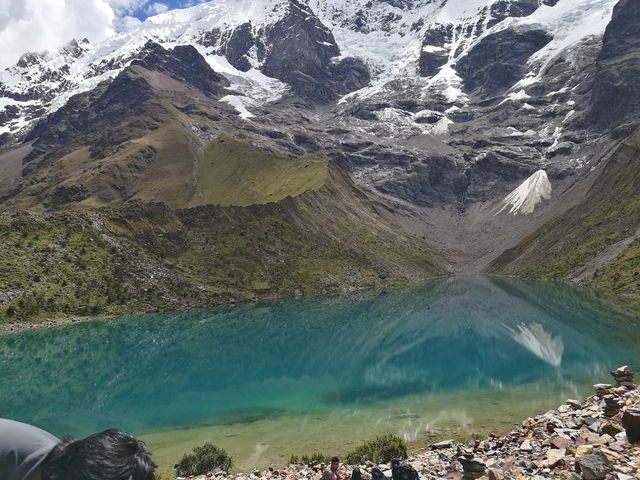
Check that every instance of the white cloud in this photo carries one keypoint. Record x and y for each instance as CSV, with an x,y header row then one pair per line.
x,y
126,6
37,25
122,24
156,8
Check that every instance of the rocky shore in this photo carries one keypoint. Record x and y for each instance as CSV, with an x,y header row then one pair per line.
x,y
11,328
598,439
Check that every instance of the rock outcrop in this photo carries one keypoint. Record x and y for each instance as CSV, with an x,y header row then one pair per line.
x,y
616,90
299,50
498,60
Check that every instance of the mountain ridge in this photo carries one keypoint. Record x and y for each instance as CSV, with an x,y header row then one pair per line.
x,y
438,113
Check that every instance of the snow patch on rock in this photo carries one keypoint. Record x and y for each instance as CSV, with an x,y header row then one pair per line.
x,y
240,103
570,22
524,199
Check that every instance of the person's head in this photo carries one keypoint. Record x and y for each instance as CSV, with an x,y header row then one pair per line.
x,y
109,455
335,463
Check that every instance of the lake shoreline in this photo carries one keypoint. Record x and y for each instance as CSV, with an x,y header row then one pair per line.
x,y
10,328
18,327
577,441
464,357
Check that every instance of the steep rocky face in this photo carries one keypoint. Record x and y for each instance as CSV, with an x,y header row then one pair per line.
x,y
182,63
234,44
443,42
46,80
298,49
101,124
616,89
434,53
35,82
498,61
509,8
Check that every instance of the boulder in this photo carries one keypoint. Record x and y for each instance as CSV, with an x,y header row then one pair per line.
x,y
631,424
526,446
583,450
442,445
611,429
472,464
594,466
555,456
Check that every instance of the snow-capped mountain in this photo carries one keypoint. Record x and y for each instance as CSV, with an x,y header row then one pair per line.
x,y
431,102
421,40
462,128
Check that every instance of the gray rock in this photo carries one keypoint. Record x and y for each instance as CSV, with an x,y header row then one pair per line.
x,y
575,404
442,445
526,446
498,60
616,91
594,466
312,74
472,464
631,424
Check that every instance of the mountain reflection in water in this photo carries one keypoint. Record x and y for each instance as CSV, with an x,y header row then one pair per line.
x,y
315,356
540,343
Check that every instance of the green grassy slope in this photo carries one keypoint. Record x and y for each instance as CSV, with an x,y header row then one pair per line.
x,y
167,165
235,173
609,214
140,197
143,257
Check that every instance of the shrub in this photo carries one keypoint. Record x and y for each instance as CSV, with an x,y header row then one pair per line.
x,y
203,460
381,450
314,458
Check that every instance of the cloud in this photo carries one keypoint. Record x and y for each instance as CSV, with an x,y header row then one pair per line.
x,y
122,24
126,6
156,8
37,25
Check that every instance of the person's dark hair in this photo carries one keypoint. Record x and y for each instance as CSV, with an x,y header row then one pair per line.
x,y
335,460
109,455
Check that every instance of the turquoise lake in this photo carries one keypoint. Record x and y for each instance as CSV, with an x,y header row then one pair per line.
x,y
453,357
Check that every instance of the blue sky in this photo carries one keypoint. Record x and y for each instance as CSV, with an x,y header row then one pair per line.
x,y
130,12
151,7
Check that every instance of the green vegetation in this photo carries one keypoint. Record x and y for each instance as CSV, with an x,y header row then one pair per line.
x,y
145,257
236,223
608,216
312,459
381,450
633,141
165,165
621,277
203,460
235,173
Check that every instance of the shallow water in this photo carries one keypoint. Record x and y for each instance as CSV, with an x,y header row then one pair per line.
x,y
265,381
